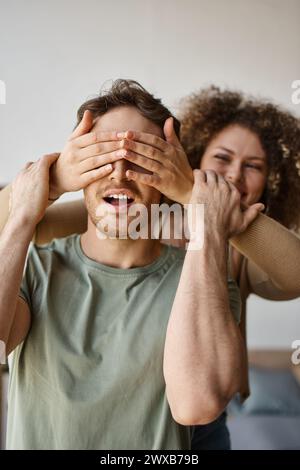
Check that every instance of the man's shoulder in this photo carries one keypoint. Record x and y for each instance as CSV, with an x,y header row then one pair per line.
x,y
177,252
176,256
58,246
57,243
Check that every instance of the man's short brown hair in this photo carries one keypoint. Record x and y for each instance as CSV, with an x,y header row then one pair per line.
x,y
129,93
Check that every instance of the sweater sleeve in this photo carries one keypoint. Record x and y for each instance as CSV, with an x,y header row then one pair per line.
x,y
4,205
273,253
61,220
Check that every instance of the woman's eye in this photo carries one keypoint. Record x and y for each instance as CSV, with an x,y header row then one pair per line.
x,y
224,158
254,167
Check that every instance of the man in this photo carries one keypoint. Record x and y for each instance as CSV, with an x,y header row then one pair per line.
x,y
101,356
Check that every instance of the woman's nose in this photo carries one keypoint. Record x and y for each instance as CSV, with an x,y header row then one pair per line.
x,y
234,174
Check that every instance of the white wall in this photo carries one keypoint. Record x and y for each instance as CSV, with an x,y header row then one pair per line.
x,y
54,54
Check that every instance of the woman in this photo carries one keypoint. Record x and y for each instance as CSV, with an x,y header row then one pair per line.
x,y
254,145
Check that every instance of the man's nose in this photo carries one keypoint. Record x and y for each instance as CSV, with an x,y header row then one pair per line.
x,y
119,170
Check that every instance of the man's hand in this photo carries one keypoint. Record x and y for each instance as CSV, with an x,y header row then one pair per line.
x,y
86,157
30,190
165,161
223,214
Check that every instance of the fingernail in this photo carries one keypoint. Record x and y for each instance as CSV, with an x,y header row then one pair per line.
x,y
129,134
124,143
121,153
121,135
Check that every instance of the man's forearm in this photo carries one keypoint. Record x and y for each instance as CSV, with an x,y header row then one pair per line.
x,y
203,350
14,242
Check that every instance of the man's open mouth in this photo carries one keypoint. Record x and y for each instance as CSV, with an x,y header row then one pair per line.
x,y
118,200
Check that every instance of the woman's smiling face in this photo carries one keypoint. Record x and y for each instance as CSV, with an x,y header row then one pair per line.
x,y
237,154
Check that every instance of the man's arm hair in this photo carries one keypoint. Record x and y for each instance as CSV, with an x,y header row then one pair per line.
x,y
14,311
204,353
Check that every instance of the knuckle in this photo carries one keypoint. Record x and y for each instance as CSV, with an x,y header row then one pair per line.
x,y
153,142
93,161
72,155
94,137
98,148
152,151
70,149
104,169
172,178
46,158
152,166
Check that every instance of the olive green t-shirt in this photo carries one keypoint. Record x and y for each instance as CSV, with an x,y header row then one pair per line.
x,y
89,374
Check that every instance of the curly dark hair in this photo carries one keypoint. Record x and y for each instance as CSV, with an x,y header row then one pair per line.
x,y
124,92
206,113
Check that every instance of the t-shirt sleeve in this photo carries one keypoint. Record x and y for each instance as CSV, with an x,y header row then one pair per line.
x,y
26,287
234,299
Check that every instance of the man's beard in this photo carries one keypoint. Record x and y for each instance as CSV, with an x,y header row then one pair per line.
x,y
91,206
109,224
